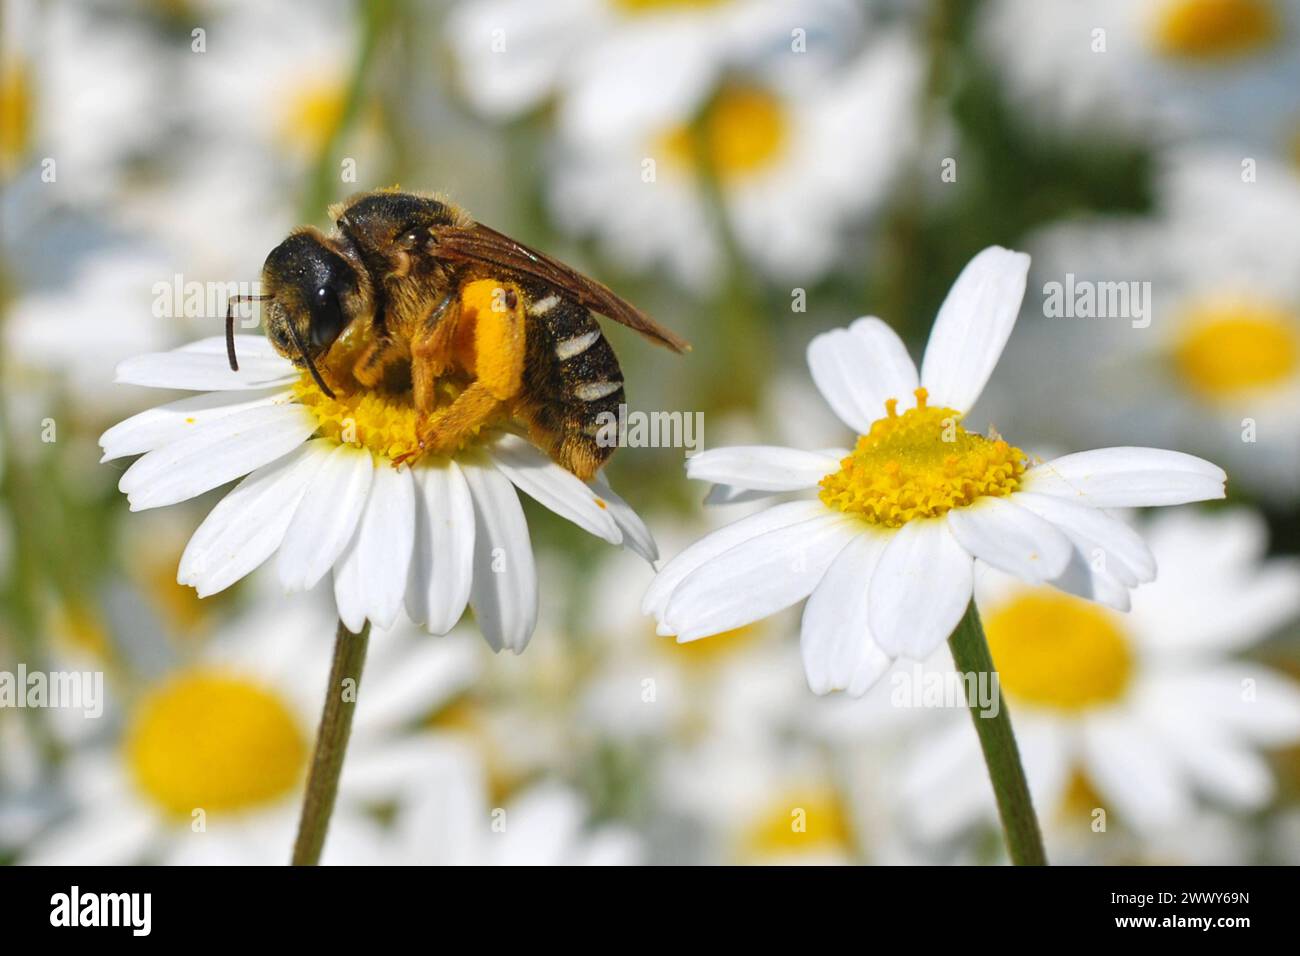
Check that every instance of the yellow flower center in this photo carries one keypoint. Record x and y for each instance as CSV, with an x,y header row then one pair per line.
x,y
1209,30
215,742
809,821
660,6
920,464
744,131
386,423
1231,348
312,113
1055,650
15,114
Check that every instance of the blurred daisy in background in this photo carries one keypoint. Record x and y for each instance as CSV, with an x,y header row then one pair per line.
x,y
886,550
621,68
205,764
797,159
777,806
74,334
430,538
645,688
1162,70
1140,715
70,116
252,91
1213,361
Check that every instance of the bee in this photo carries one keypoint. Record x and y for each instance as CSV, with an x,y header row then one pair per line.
x,y
408,291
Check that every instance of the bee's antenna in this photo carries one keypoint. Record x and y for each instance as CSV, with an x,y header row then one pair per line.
x,y
233,301
311,366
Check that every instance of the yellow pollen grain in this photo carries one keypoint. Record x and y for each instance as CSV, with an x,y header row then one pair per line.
x,y
1216,30
1058,651
216,742
1235,347
920,464
385,423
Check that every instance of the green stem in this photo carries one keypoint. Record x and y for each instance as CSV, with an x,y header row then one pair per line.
x,y
1019,825
331,743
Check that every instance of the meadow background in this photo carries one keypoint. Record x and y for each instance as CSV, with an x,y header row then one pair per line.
x,y
751,173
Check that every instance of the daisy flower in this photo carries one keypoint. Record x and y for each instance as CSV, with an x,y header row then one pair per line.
x,y
886,546
1143,715
321,493
1214,360
828,145
619,67
81,87
205,764
75,332
253,90
1155,69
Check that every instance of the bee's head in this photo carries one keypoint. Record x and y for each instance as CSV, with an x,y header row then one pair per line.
x,y
313,293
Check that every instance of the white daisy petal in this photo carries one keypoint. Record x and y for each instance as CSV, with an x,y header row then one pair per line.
x,y
920,590
1128,478
1084,579
370,577
1222,769
216,453
168,423
504,592
247,525
1134,771
1245,699
552,486
835,638
712,545
761,467
731,495
442,564
1096,534
326,518
256,347
858,368
201,367
757,577
119,833
636,536
1011,539
972,327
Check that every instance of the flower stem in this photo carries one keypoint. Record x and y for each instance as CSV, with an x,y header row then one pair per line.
x,y
331,743
1019,824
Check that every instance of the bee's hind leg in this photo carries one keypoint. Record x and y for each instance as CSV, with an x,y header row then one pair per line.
x,y
492,318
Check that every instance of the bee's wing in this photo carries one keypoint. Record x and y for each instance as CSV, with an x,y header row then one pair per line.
x,y
479,243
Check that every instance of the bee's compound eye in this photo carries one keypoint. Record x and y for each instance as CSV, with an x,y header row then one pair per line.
x,y
410,239
326,317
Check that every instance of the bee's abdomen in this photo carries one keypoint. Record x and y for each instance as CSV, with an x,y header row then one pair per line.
x,y
573,383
